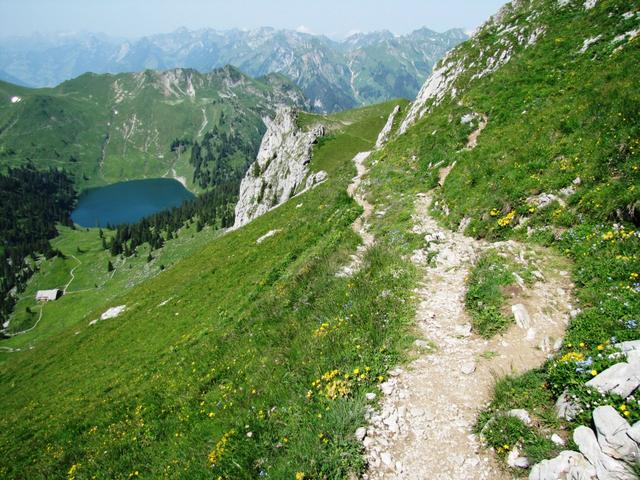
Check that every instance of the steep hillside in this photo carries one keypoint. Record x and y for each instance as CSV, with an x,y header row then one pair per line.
x,y
105,128
364,69
249,358
489,237
529,131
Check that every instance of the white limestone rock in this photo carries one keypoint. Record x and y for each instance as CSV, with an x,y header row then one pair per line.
x,y
566,466
622,379
269,234
634,432
113,312
514,460
386,131
612,435
521,316
566,407
630,346
520,414
468,368
588,42
435,89
544,199
607,468
589,4
316,179
281,166
468,118
463,330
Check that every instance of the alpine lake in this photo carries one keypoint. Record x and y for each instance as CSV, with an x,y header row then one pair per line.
x,y
128,202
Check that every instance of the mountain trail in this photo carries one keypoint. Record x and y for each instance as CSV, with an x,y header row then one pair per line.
x,y
360,225
72,272
472,142
424,429
15,334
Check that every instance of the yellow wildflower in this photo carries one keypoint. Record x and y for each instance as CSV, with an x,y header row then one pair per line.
x,y
218,451
71,474
506,220
572,357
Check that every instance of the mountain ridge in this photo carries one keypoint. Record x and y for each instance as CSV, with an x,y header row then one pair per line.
x,y
104,128
335,75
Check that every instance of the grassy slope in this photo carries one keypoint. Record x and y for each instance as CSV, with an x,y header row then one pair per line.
x,y
173,391
68,126
92,285
554,115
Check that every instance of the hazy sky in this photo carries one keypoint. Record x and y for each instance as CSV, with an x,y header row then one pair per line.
x,y
335,18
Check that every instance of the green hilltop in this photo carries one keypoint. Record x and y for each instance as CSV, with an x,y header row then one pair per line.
x,y
107,128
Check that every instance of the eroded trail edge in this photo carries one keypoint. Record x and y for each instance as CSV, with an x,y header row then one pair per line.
x,y
424,429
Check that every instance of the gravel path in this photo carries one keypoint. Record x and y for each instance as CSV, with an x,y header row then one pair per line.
x,y
424,429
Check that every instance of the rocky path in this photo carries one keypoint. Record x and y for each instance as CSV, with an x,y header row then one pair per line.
x,y
472,141
72,273
424,429
360,225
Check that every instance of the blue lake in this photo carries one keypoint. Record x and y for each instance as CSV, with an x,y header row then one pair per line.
x,y
128,202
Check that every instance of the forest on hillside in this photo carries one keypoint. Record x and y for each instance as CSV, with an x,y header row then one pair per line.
x,y
33,202
215,208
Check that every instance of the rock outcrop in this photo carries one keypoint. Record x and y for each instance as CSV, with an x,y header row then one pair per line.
x,y
609,453
280,168
613,449
386,131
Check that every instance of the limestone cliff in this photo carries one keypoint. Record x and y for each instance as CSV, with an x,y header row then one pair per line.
x,y
280,168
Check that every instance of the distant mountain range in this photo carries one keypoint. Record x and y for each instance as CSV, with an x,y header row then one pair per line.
x,y
361,70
